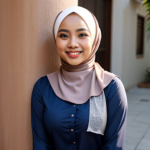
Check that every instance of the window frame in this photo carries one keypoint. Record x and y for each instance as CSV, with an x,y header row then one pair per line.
x,y
140,54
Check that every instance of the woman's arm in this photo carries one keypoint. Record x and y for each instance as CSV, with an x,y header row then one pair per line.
x,y
41,140
114,136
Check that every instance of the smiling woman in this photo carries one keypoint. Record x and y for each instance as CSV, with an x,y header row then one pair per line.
x,y
74,40
80,106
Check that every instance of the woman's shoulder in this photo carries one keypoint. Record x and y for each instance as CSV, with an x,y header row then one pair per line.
x,y
42,80
114,84
41,84
116,81
115,89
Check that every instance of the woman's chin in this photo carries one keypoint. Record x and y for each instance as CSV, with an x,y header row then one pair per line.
x,y
74,63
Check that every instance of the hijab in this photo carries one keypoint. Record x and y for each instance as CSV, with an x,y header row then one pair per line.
x,y
77,83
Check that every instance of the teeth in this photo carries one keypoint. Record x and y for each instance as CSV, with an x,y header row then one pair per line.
x,y
76,53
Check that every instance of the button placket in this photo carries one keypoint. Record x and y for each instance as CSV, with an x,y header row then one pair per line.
x,y
72,118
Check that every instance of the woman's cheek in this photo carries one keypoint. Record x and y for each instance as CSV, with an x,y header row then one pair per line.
x,y
88,47
59,45
62,44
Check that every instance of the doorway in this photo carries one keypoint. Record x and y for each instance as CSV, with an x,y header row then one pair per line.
x,y
102,11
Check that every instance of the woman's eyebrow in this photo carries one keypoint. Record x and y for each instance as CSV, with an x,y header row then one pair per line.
x,y
63,30
82,29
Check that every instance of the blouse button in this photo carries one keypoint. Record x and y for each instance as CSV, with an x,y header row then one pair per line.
x,y
72,130
72,115
74,105
74,142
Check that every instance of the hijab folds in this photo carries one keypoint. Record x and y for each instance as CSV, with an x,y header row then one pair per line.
x,y
76,84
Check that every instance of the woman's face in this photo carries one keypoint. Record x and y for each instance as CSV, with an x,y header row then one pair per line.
x,y
74,40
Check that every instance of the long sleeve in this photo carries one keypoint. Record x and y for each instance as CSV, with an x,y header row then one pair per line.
x,y
41,140
114,136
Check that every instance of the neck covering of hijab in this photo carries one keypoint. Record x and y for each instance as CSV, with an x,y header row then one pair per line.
x,y
76,84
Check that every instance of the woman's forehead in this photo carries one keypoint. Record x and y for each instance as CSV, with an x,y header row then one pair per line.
x,y
73,20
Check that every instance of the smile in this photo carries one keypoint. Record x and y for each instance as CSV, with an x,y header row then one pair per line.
x,y
74,54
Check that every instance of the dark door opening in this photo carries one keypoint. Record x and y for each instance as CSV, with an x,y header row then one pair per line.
x,y
102,10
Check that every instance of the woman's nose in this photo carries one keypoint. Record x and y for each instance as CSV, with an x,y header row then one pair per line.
x,y
73,43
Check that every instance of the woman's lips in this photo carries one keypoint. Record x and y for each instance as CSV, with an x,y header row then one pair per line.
x,y
73,54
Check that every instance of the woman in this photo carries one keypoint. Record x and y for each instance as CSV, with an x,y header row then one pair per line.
x,y
80,106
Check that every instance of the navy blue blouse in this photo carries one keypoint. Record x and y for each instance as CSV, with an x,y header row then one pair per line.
x,y
61,125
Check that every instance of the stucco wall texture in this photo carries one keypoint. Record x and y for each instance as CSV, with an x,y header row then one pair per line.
x,y
27,52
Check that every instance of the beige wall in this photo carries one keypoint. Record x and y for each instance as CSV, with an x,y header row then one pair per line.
x,y
117,41
27,52
124,60
148,47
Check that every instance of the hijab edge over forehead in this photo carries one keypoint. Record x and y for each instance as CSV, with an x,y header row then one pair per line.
x,y
83,13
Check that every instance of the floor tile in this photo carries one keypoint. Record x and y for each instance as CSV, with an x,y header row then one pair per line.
x,y
144,144
138,120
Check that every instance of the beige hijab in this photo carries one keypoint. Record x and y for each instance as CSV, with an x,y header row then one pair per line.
x,y
76,84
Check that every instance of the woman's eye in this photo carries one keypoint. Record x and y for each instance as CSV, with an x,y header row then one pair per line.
x,y
63,36
82,35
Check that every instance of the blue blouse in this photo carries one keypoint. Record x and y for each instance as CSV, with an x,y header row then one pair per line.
x,y
61,125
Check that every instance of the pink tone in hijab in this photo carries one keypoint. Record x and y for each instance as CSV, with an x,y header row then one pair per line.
x,y
76,84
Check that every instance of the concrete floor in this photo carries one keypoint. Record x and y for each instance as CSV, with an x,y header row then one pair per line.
x,y
138,120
